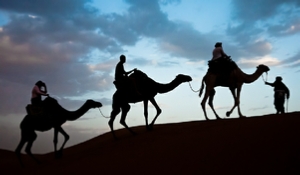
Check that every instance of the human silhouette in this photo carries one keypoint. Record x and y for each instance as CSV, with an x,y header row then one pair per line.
x,y
280,93
37,92
122,81
221,63
120,72
218,52
37,107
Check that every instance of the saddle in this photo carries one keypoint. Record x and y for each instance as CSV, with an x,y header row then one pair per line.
x,y
34,110
126,84
129,84
222,66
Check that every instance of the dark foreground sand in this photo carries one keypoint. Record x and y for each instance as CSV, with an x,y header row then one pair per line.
x,y
267,144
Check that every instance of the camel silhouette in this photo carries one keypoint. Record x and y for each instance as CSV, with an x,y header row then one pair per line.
x,y
234,81
53,116
146,90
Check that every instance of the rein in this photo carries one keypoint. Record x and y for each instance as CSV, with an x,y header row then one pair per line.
x,y
102,113
264,79
192,88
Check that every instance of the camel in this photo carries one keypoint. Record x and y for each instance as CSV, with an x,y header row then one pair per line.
x,y
53,116
234,81
146,90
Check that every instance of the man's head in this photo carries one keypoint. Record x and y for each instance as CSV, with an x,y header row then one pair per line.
x,y
278,78
218,44
40,83
123,58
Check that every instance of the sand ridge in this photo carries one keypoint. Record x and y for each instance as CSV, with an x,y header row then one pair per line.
x,y
268,144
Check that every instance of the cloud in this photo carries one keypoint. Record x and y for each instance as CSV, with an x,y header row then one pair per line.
x,y
285,29
252,19
258,108
250,63
293,61
54,44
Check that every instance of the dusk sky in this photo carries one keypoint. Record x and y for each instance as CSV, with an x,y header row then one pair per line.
x,y
74,46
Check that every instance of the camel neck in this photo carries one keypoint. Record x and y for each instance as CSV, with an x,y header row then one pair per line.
x,y
249,78
164,88
74,115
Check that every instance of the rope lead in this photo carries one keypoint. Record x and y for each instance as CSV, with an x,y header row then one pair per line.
x,y
192,88
102,113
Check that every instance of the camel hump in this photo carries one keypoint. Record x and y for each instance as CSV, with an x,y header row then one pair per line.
x,y
138,74
222,66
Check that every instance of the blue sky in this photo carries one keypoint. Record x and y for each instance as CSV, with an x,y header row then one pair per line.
x,y
74,45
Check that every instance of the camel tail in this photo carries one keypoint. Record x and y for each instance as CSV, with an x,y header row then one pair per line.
x,y
202,87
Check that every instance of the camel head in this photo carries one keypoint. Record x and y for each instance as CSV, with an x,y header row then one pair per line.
x,y
183,78
263,68
93,104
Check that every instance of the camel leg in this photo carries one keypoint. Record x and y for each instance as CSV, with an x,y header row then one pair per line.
x,y
125,108
232,90
66,136
204,101
116,110
20,146
158,111
210,102
31,138
55,139
238,101
146,113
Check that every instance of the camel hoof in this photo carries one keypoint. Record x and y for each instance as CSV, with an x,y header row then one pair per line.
x,y
150,127
228,114
218,118
58,154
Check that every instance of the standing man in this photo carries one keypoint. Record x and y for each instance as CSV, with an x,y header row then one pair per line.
x,y
280,92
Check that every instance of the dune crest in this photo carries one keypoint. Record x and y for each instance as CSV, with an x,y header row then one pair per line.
x,y
266,144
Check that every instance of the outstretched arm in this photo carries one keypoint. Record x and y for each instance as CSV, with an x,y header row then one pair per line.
x,y
130,71
270,84
38,91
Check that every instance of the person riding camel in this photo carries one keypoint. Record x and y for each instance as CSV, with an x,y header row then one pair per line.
x,y
38,90
122,81
218,52
120,72
280,92
220,62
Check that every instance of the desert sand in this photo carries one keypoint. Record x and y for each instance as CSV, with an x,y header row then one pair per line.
x,y
268,144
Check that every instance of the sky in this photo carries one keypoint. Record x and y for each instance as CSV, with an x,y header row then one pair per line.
x,y
74,46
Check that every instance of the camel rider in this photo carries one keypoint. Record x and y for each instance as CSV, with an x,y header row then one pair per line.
x,y
218,52
220,62
120,72
36,107
38,90
121,76
280,92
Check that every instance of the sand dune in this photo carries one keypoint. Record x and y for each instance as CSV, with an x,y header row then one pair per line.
x,y
267,144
